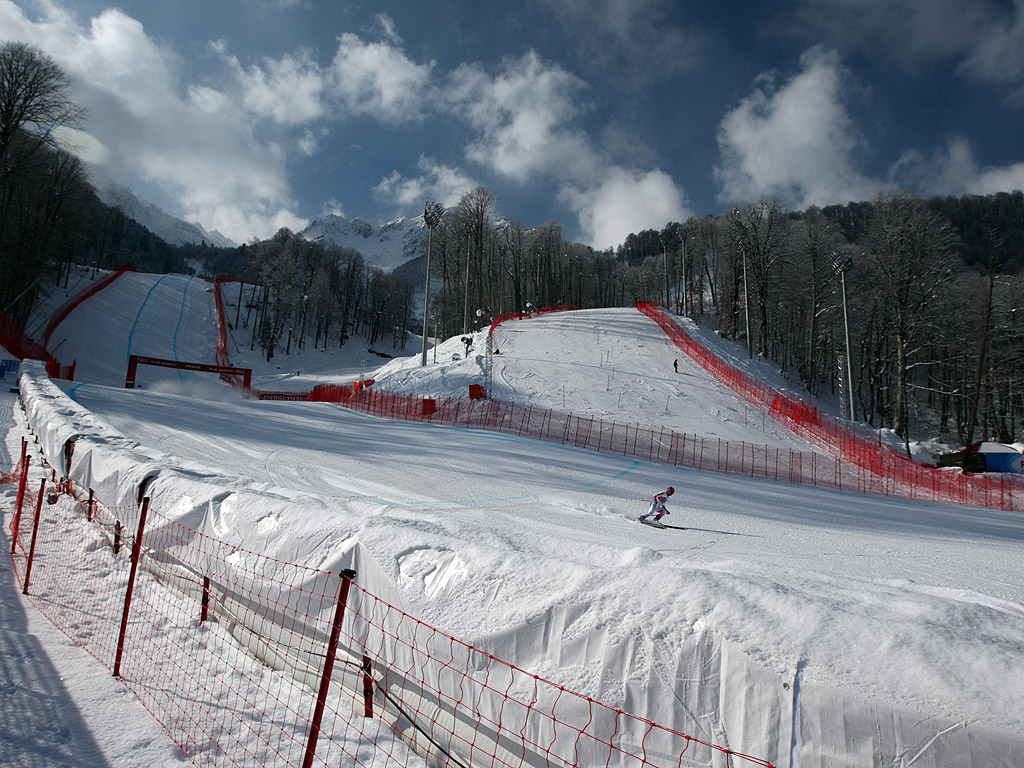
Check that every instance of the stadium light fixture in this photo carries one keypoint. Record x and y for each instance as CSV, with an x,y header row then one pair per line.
x,y
432,215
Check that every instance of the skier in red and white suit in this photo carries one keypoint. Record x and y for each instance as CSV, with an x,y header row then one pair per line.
x,y
658,509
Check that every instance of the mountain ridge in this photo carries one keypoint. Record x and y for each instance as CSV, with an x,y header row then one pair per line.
x,y
170,229
386,246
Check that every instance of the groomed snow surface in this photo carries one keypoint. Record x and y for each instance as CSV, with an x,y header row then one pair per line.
x,y
892,632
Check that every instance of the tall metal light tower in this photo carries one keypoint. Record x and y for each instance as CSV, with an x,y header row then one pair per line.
x,y
432,214
840,266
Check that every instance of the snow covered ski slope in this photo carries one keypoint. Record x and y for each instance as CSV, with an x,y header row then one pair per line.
x,y
882,632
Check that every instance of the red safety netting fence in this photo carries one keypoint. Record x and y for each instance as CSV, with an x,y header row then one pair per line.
x,y
250,661
20,344
526,315
636,441
221,355
66,308
900,475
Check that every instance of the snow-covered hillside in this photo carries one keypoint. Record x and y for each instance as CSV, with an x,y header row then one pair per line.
x,y
385,247
855,630
170,229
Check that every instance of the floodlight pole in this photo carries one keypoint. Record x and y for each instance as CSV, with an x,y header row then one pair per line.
x,y
664,261
465,308
746,303
841,268
432,213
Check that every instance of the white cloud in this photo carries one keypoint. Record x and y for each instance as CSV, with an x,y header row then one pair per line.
x,y
985,37
219,151
629,39
998,55
81,143
625,201
196,144
954,171
379,80
289,90
794,141
436,181
388,28
332,208
521,117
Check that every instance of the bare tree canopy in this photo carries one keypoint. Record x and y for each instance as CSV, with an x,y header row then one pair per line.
x,y
34,96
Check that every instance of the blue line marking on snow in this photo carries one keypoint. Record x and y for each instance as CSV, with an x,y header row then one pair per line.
x,y
181,315
73,390
131,333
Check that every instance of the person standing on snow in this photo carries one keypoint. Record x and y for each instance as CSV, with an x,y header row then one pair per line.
x,y
658,509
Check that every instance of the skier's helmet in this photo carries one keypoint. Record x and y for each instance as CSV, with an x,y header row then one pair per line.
x,y
670,490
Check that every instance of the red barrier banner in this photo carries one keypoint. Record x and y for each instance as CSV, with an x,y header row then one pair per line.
x,y
134,361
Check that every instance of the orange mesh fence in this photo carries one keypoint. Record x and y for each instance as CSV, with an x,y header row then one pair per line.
x,y
896,474
251,661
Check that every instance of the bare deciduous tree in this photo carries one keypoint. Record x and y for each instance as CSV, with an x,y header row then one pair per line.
x,y
909,245
34,98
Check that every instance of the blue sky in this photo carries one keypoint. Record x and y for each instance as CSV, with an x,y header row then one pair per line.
x,y
610,116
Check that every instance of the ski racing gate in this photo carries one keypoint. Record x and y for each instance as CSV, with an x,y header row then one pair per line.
x,y
134,361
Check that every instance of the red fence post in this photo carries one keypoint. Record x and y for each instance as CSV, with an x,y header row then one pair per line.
x,y
22,481
136,552
129,377
88,510
35,531
325,679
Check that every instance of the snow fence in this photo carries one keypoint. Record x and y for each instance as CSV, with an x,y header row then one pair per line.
x,y
889,473
296,656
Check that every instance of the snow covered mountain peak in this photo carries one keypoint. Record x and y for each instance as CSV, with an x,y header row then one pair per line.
x,y
386,247
171,230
